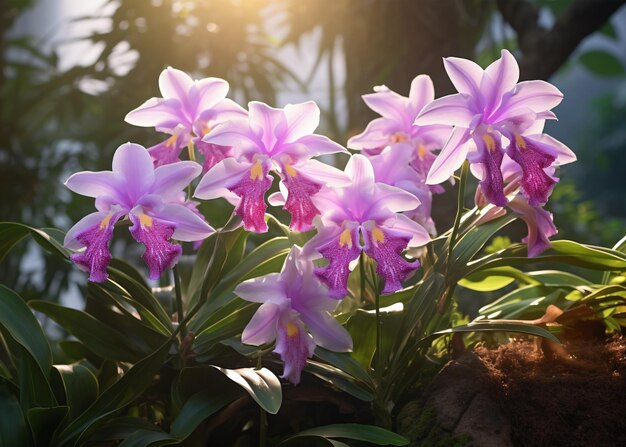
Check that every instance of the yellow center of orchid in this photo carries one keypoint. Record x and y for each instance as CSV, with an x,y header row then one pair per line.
x,y
378,235
145,220
105,221
171,141
205,129
489,142
421,151
292,329
519,141
256,171
398,137
345,238
291,172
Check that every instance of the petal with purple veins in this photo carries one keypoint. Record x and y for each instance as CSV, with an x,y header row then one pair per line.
x,y
251,189
385,247
490,155
299,203
536,183
340,251
539,223
294,345
155,234
93,232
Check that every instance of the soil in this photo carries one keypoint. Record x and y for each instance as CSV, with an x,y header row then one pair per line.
x,y
574,395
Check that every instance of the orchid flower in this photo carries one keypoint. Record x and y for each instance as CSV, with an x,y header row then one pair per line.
x,y
153,200
295,311
272,139
187,111
493,114
397,127
371,211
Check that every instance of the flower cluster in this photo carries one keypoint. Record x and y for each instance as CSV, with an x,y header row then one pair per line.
x,y
378,206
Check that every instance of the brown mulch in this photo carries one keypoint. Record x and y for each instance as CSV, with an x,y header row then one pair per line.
x,y
569,396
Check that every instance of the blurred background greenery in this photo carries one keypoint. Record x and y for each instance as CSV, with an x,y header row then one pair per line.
x,y
70,71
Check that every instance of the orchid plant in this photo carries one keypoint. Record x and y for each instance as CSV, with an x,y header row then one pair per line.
x,y
350,297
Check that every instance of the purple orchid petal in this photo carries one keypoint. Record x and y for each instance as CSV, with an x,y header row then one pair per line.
x,y
212,154
154,234
339,251
401,224
320,145
545,143
376,135
95,184
175,84
265,289
93,232
235,132
388,104
224,110
421,93
262,327
326,331
504,74
538,96
539,223
536,183
190,226
453,110
320,172
171,179
269,124
465,75
217,182
294,345
450,158
168,151
165,114
360,171
133,163
299,203
210,92
385,247
490,155
302,119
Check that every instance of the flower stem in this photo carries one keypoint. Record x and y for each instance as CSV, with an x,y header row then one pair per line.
x,y
459,208
179,301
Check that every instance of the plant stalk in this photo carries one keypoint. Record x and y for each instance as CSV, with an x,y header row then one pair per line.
x,y
459,208
179,301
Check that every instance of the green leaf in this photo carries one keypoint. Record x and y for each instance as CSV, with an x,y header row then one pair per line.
x,y
81,387
487,326
197,408
562,251
338,378
472,241
44,422
529,301
358,432
489,280
556,278
11,233
261,384
346,363
13,431
362,328
118,395
98,337
145,437
602,63
21,325
609,30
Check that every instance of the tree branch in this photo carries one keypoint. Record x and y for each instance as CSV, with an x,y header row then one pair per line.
x,y
544,51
